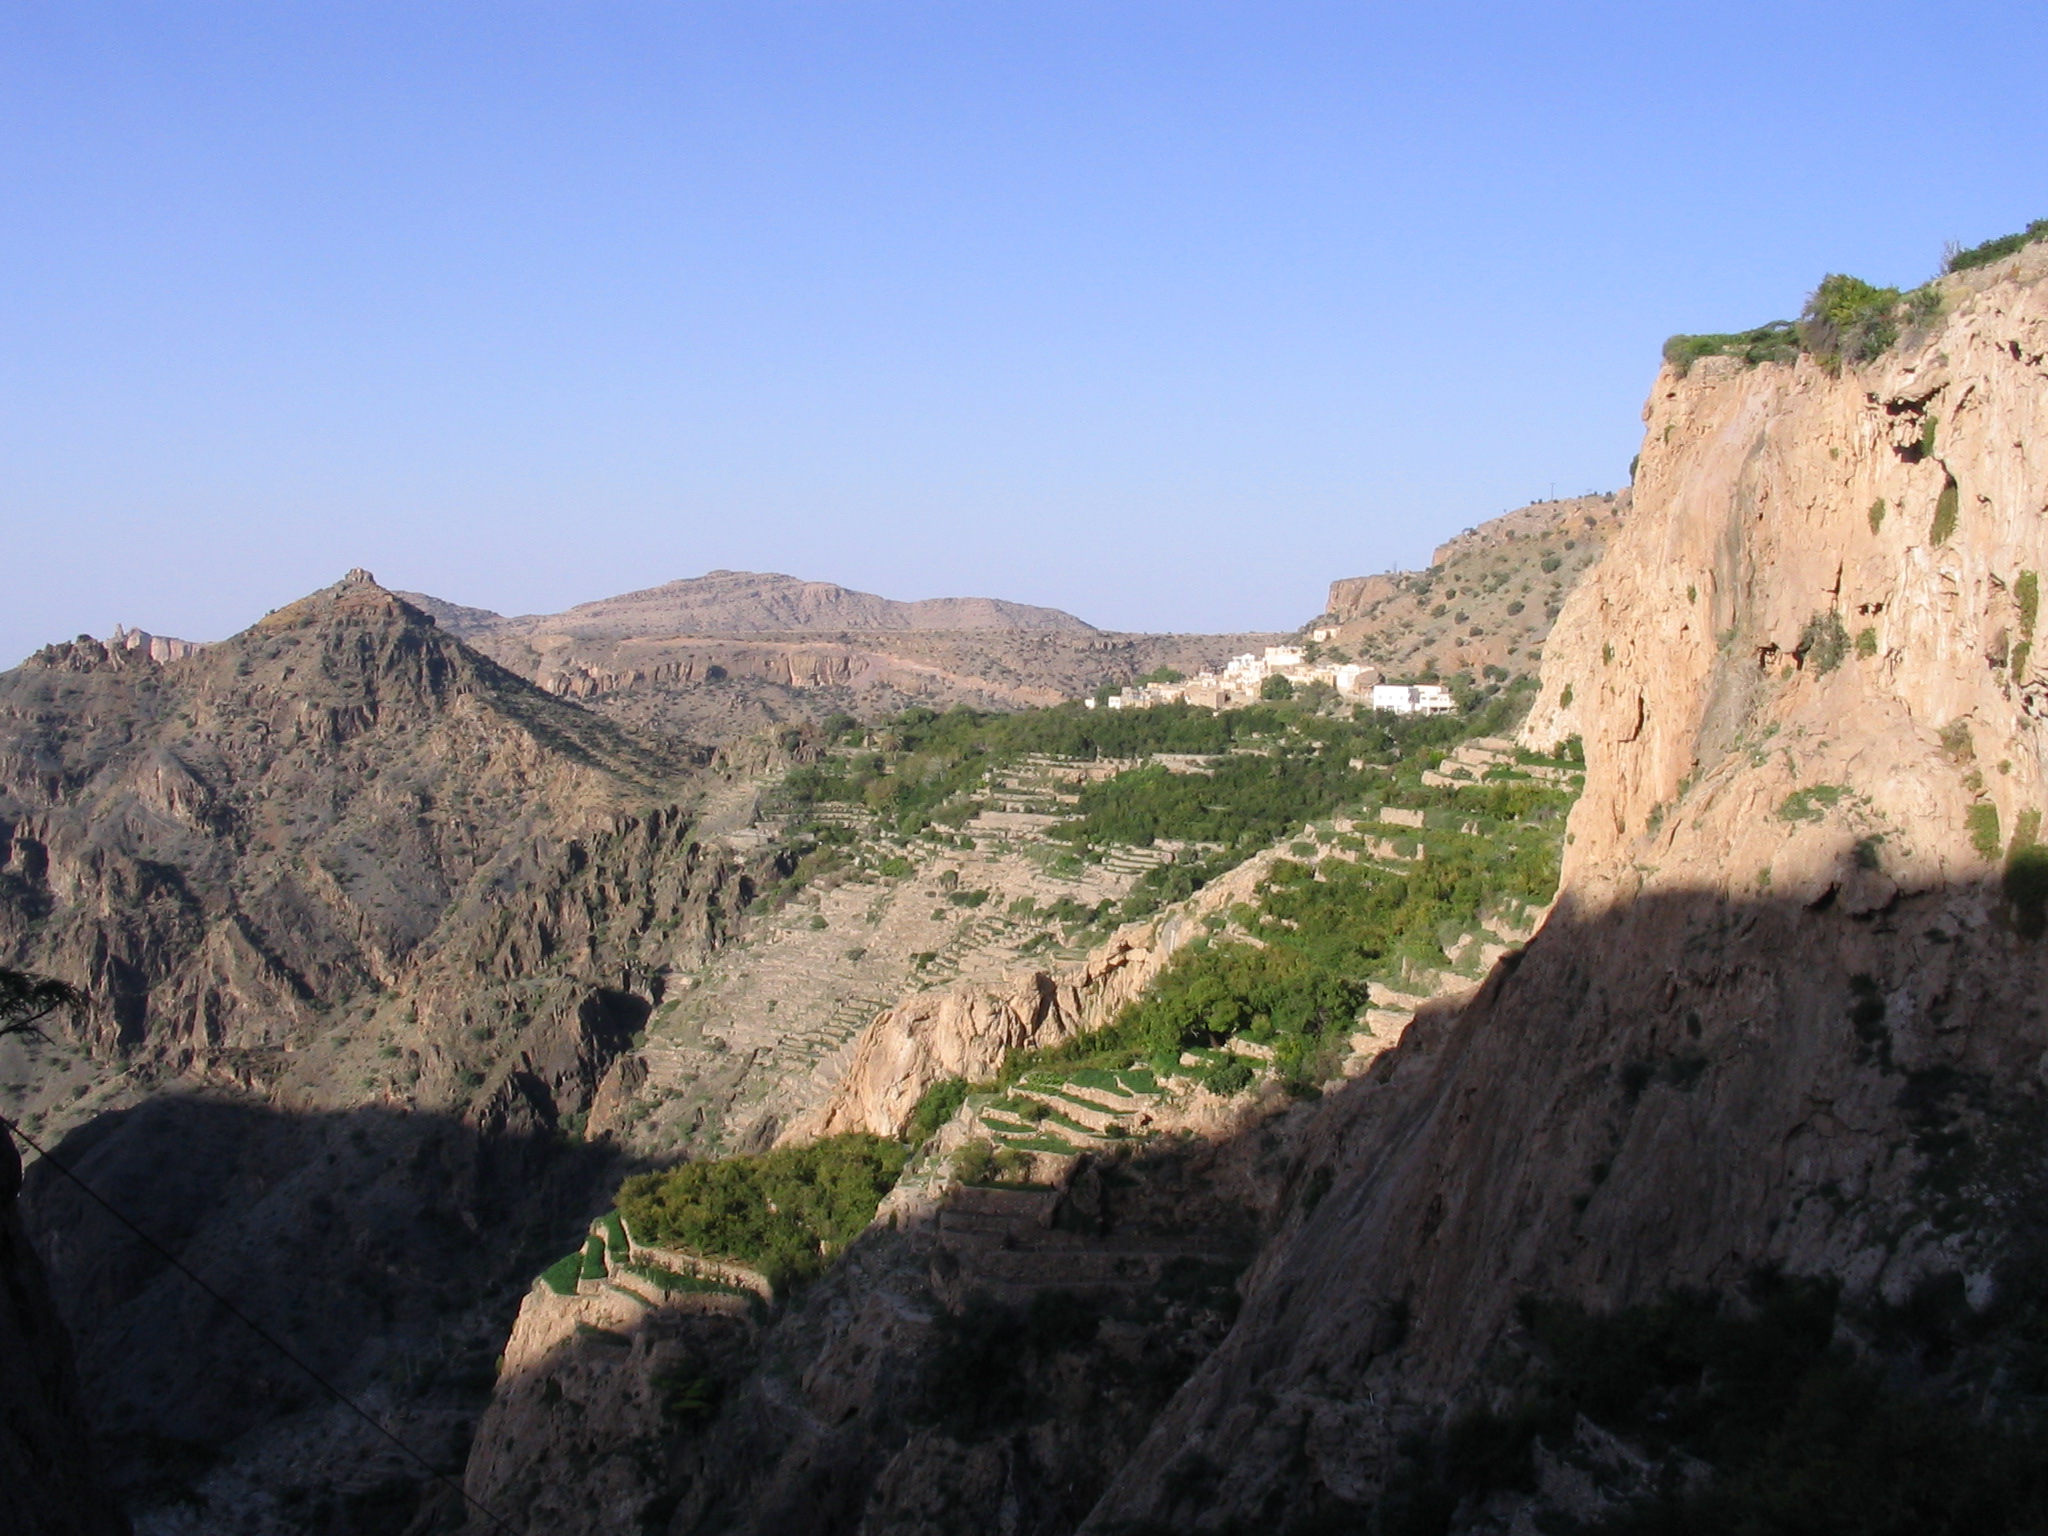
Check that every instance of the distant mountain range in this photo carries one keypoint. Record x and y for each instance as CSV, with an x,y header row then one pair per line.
x,y
751,603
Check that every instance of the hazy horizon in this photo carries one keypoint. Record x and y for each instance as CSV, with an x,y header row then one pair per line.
x,y
1164,315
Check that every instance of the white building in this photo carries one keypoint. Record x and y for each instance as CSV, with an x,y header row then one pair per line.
x,y
1413,699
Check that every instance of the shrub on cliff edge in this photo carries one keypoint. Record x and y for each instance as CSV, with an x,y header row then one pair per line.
x,y
1995,250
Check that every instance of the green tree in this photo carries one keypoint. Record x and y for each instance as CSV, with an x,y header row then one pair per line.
x,y
27,999
1276,688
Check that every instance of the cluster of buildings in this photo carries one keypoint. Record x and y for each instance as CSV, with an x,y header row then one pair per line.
x,y
1243,680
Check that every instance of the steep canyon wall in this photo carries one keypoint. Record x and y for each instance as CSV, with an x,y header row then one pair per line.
x,y
1787,1012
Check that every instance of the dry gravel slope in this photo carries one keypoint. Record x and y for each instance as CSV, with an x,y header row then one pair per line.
x,y
1488,598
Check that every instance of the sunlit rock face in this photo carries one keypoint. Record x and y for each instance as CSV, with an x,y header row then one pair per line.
x,y
1786,1013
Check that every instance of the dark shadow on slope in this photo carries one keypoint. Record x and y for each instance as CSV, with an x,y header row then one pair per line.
x,y
1670,1098
992,1362
387,1250
46,1460
1678,1097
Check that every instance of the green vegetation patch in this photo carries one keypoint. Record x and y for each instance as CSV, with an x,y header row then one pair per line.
x,y
1847,320
1823,642
1982,821
562,1275
1996,250
784,1213
939,1103
1811,803
1324,933
1947,508
978,1162
1777,342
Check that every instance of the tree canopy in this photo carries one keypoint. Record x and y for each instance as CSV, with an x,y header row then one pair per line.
x,y
27,999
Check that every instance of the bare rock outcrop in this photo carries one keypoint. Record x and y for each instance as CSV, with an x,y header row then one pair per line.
x,y
588,1385
966,1029
1785,1014
1837,590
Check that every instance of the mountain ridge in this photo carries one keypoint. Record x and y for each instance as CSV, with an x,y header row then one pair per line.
x,y
725,602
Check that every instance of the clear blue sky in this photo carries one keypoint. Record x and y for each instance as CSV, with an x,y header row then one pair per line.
x,y
1164,313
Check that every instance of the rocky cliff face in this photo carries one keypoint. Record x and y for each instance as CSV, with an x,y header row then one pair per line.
x,y
1786,1015
966,1029
1781,1035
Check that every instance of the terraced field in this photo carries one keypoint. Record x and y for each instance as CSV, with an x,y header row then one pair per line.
x,y
920,861
1408,898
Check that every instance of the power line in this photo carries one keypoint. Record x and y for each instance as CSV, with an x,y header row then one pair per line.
x,y
261,1332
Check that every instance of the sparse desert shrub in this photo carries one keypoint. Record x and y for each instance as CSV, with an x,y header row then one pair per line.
x,y
1777,1427
1982,820
686,1395
1823,643
971,1162
1866,642
1877,514
1946,509
2026,877
1811,803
